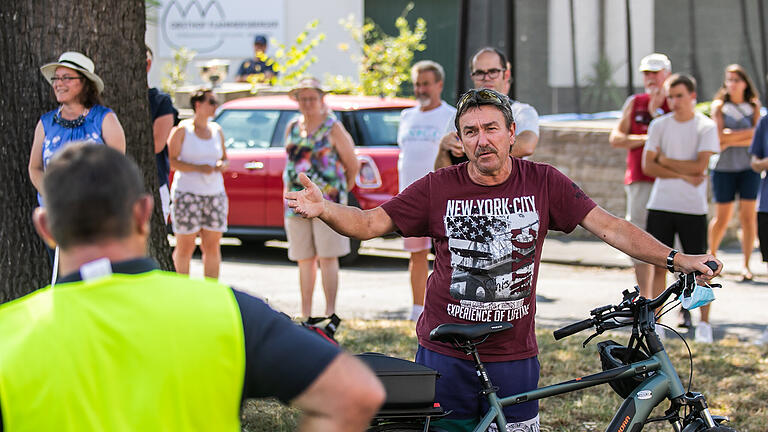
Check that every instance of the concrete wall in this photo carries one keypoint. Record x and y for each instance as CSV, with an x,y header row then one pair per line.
x,y
581,151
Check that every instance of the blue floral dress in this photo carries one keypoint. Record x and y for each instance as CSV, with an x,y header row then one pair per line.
x,y
58,136
315,156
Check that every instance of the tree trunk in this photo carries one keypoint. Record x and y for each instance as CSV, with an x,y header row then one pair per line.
x,y
34,32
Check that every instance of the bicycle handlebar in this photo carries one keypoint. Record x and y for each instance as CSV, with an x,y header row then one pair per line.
x,y
574,328
623,309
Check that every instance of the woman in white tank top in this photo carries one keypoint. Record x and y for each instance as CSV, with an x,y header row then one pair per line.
x,y
197,154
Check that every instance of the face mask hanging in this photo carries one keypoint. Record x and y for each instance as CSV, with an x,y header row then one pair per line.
x,y
700,295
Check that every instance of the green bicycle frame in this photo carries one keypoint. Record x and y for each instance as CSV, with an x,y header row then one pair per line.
x,y
634,410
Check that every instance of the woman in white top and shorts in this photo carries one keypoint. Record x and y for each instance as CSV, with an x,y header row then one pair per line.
x,y
197,154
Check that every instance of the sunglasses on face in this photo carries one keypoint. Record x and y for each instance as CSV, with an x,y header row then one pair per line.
x,y
213,102
66,79
490,73
477,95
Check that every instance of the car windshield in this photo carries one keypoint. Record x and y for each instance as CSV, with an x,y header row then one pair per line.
x,y
247,129
381,126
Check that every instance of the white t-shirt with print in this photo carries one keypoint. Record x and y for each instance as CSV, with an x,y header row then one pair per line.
x,y
681,141
419,137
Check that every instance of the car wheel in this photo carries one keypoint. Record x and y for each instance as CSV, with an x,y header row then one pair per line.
x,y
354,244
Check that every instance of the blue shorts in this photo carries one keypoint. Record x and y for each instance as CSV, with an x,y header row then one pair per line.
x,y
458,388
725,185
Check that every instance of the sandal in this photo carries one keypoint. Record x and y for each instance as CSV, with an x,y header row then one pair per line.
x,y
746,276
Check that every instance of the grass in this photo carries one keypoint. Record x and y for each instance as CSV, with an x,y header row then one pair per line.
x,y
731,374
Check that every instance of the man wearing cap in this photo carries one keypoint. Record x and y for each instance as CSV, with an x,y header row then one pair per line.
x,y
259,66
630,133
119,345
488,219
418,137
489,68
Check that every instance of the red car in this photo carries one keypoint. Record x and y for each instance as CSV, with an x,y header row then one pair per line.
x,y
254,129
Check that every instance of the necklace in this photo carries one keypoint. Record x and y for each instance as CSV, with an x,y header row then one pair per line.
x,y
70,124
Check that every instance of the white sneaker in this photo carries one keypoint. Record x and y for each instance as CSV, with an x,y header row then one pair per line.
x,y
704,333
763,339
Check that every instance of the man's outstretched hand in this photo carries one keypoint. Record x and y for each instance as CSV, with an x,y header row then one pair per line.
x,y
309,202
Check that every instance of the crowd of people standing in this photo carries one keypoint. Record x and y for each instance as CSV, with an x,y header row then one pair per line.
x,y
462,206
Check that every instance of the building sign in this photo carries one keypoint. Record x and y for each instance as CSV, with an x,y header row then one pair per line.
x,y
217,28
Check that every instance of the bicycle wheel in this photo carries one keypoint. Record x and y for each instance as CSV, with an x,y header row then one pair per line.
x,y
719,429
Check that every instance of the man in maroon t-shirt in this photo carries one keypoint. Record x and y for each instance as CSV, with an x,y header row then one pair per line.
x,y
630,133
488,218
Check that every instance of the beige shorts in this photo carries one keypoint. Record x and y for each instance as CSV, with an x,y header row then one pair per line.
x,y
416,244
637,198
308,238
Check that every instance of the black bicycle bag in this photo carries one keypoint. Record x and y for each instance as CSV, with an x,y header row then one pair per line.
x,y
408,384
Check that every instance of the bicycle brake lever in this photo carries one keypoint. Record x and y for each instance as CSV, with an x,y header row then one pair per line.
x,y
586,341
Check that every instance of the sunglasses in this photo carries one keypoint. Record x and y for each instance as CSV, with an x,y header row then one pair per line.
x,y
213,102
478,96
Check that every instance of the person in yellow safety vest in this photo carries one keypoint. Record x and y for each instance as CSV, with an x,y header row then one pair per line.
x,y
119,345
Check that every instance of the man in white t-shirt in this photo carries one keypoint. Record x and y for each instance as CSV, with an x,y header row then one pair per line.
x,y
677,152
489,68
418,137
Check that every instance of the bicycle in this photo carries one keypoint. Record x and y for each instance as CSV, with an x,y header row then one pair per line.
x,y
640,372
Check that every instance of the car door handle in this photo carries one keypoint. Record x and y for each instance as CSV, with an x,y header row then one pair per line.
x,y
254,165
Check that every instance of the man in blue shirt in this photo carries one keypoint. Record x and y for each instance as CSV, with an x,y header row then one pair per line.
x,y
164,118
259,65
759,151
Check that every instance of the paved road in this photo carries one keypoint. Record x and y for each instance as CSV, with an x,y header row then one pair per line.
x,y
377,287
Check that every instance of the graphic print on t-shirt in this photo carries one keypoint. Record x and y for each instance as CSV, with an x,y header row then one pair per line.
x,y
492,244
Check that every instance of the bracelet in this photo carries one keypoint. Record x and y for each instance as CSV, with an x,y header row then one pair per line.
x,y
671,260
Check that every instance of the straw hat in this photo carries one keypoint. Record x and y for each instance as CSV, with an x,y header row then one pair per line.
x,y
76,61
307,83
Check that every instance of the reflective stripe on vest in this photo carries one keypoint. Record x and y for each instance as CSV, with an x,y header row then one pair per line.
x,y
149,352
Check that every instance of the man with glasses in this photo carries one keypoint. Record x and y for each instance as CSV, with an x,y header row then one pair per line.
x,y
489,68
488,219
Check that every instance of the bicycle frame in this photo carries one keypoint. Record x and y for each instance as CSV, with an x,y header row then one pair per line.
x,y
633,411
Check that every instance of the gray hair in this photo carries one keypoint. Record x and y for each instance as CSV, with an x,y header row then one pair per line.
x,y
478,97
428,65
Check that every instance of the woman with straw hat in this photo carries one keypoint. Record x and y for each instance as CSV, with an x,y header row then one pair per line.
x,y
79,117
318,146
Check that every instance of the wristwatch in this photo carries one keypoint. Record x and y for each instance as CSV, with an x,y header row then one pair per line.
x,y
671,260
657,112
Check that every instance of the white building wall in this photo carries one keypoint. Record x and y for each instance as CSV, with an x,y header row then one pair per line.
x,y
295,16
586,31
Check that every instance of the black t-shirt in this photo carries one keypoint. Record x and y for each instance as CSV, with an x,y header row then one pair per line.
x,y
281,358
159,105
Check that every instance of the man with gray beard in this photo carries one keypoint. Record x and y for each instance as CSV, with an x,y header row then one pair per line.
x,y
418,137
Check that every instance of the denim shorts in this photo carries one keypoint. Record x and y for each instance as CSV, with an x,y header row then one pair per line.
x,y
725,185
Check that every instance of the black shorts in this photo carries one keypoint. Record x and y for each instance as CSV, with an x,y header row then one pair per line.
x,y
762,233
692,230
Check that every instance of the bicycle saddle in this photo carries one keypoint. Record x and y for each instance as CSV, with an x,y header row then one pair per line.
x,y
450,332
